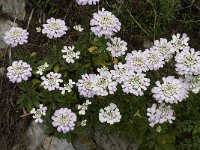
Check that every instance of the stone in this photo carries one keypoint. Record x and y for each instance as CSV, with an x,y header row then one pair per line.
x,y
14,8
39,141
5,25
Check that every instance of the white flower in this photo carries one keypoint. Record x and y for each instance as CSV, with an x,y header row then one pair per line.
x,y
70,54
135,83
155,59
67,87
64,120
194,83
105,23
78,28
179,42
136,61
162,114
54,28
164,47
51,81
103,84
110,114
19,71
38,113
38,29
83,123
117,47
82,108
42,68
85,2
119,73
16,36
171,90
85,85
188,62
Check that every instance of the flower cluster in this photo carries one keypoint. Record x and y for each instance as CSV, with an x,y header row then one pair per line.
x,y
180,42
194,83
70,55
67,87
85,2
78,28
105,23
42,68
188,62
110,114
54,28
64,120
117,47
82,108
16,36
19,71
38,113
97,84
51,81
172,90
162,114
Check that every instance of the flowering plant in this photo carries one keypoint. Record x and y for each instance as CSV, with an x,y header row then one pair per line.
x,y
95,79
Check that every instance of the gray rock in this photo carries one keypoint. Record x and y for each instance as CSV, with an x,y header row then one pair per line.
x,y
5,25
14,8
39,141
112,142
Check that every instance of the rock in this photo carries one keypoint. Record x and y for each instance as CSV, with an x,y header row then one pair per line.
x,y
39,141
147,43
14,8
5,25
112,142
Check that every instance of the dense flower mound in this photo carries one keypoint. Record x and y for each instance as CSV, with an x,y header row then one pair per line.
x,y
64,120
135,83
70,55
110,114
155,59
85,2
51,81
164,47
137,61
180,42
188,62
104,23
164,113
54,28
117,47
19,71
171,90
16,36
38,113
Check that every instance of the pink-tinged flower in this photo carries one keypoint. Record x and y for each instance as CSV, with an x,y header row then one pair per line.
x,y
136,61
155,59
51,81
110,114
16,36
164,47
86,84
64,120
180,42
188,62
135,83
117,47
54,28
85,2
104,23
164,113
19,71
171,90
